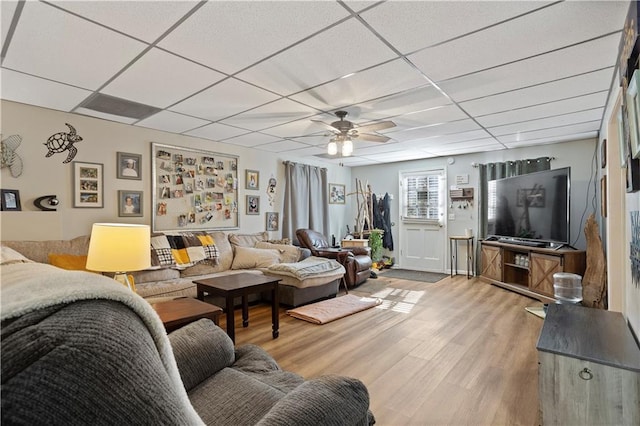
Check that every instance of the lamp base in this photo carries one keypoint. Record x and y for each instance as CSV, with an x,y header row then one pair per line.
x,y
125,280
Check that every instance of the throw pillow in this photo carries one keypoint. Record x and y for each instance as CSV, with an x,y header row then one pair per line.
x,y
249,258
282,241
288,254
247,240
70,262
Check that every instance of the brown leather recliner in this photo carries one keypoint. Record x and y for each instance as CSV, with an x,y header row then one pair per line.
x,y
356,260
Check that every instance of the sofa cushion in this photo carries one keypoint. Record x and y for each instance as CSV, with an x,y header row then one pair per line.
x,y
250,258
39,250
151,275
70,262
9,256
247,240
288,253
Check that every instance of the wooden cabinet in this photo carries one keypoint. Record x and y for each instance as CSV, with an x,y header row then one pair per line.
x,y
528,270
589,368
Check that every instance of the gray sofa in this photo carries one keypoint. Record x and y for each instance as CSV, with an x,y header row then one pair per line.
x,y
78,348
236,253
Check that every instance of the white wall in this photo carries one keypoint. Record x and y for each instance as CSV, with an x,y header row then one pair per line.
x,y
101,140
576,154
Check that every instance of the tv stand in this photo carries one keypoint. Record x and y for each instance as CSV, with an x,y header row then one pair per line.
x,y
528,269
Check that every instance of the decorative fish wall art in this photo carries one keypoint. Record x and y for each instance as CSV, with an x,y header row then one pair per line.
x,y
63,141
10,158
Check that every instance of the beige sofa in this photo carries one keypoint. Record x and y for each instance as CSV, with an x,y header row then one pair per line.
x,y
236,253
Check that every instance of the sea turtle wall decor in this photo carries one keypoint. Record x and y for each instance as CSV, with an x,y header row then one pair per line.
x,y
10,158
63,141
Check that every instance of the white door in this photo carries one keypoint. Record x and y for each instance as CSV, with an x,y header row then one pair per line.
x,y
422,232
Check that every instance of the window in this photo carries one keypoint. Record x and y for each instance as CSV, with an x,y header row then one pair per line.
x,y
422,196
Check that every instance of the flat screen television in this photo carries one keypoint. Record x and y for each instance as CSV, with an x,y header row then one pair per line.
x,y
531,208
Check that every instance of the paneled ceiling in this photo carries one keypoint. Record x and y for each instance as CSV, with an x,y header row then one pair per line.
x,y
455,76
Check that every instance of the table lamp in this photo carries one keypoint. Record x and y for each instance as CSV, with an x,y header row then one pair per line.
x,y
119,248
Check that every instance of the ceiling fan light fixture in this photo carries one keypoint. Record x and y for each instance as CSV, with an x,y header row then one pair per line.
x,y
332,148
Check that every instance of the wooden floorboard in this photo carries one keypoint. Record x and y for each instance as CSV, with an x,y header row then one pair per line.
x,y
455,352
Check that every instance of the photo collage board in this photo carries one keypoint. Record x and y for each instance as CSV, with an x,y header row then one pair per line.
x,y
193,189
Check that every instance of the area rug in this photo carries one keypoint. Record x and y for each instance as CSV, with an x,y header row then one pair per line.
x,y
405,274
333,309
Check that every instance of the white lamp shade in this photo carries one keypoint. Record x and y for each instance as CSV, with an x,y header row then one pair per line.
x,y
347,148
332,148
119,247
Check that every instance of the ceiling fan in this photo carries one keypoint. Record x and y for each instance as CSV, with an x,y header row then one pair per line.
x,y
345,131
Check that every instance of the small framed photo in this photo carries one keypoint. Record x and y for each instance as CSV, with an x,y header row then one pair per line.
x,y
88,187
129,166
273,221
10,200
253,204
633,110
252,179
129,203
603,154
336,193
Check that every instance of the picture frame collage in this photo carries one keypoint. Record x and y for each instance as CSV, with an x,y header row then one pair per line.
x,y
193,189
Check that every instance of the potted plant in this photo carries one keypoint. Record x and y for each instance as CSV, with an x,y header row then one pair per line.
x,y
375,243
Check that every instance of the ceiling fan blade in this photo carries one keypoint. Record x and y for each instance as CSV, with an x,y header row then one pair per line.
x,y
327,125
372,138
380,125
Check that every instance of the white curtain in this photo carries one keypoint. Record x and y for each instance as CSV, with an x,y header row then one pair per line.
x,y
305,200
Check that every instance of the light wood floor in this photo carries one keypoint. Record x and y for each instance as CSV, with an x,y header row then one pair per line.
x,y
462,354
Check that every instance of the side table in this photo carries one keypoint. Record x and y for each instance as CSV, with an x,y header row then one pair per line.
x,y
180,312
453,250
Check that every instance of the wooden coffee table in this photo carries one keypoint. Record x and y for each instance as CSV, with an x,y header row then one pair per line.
x,y
179,312
243,284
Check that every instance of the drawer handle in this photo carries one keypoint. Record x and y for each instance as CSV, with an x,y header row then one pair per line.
x,y
585,374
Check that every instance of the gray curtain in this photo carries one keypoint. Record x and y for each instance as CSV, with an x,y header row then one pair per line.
x,y
493,171
305,200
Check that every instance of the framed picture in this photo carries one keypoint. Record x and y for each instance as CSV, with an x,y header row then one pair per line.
x,y
252,179
633,109
603,154
603,196
10,200
88,185
129,203
253,204
336,193
193,189
129,166
273,221
622,141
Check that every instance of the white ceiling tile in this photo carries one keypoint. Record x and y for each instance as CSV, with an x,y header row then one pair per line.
x,y
309,150
146,20
36,91
216,132
335,53
66,48
435,130
251,139
478,51
437,115
382,148
160,79
357,161
171,122
393,77
282,145
470,144
398,156
589,56
7,10
554,132
412,100
232,35
553,139
238,96
446,139
545,123
596,100
468,149
105,116
264,116
297,128
411,25
556,90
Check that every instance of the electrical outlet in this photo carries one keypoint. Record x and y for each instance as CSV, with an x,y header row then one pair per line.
x,y
452,216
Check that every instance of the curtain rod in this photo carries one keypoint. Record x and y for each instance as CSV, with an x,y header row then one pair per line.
x,y
476,165
287,162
